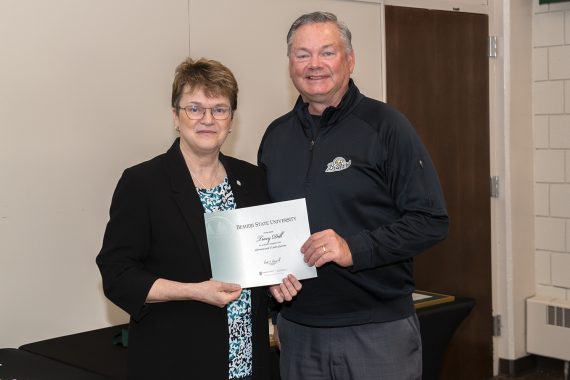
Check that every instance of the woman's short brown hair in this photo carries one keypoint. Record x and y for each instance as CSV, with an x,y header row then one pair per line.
x,y
206,74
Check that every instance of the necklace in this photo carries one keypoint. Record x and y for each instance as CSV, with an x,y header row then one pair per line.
x,y
212,179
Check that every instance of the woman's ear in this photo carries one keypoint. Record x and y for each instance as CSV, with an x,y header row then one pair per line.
x,y
175,119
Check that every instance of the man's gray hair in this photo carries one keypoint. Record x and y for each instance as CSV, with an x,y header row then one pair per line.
x,y
320,17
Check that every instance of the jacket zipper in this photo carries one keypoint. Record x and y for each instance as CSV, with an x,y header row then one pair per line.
x,y
310,163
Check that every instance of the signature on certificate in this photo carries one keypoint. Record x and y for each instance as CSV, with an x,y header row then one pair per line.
x,y
270,238
272,261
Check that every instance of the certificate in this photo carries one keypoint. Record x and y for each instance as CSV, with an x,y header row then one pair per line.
x,y
259,245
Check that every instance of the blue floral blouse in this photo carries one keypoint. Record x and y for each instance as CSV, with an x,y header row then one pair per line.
x,y
221,198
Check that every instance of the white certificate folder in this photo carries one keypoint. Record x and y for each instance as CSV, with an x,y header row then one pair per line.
x,y
259,245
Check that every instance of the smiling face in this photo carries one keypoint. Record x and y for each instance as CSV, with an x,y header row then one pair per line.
x,y
319,65
204,136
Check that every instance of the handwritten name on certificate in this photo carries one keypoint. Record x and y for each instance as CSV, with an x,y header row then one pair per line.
x,y
259,245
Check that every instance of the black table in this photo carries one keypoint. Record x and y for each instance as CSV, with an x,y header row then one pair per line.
x,y
437,325
24,365
91,350
95,352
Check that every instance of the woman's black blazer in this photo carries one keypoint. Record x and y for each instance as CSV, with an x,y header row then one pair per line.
x,y
156,230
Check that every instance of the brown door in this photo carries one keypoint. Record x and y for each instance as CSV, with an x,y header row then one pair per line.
x,y
437,75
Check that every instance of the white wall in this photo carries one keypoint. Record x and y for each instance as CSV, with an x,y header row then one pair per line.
x,y
85,93
551,107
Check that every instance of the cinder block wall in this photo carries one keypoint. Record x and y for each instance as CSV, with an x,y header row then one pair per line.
x,y
551,110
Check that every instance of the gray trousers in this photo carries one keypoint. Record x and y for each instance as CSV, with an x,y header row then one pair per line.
x,y
374,351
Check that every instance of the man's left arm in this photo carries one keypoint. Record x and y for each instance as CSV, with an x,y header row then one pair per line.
x,y
418,198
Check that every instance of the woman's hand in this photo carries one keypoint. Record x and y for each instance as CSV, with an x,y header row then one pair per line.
x,y
285,291
217,293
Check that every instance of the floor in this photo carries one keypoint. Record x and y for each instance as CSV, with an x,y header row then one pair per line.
x,y
541,375
539,368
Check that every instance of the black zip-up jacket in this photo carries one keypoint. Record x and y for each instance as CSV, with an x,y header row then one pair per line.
x,y
365,174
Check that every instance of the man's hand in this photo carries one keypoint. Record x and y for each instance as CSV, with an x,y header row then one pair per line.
x,y
286,290
326,246
276,337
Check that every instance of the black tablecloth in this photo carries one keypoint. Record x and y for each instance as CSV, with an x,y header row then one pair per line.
x,y
94,350
437,325
23,365
91,350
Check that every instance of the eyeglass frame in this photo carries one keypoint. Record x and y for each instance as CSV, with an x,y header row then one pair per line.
x,y
204,109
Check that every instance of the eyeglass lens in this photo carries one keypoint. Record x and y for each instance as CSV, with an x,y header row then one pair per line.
x,y
195,112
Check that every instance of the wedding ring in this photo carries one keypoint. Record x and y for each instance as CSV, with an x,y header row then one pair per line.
x,y
324,249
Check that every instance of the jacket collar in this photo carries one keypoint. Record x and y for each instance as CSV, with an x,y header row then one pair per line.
x,y
185,195
332,114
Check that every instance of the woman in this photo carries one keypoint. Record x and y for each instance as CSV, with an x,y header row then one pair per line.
x,y
154,261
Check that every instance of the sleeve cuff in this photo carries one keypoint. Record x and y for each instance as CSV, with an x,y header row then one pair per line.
x,y
361,252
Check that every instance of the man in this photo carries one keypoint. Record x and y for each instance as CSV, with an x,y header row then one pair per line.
x,y
374,202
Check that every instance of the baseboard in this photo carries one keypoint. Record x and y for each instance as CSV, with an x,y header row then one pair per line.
x,y
530,363
518,366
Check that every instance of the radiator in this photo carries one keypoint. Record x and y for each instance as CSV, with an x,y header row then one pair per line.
x,y
548,327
